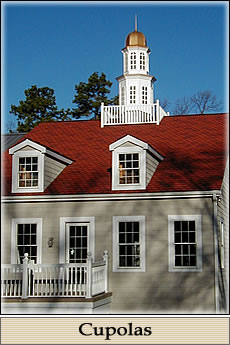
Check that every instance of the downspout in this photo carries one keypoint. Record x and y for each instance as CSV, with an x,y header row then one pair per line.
x,y
216,263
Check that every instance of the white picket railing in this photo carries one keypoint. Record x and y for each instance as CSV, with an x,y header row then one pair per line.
x,y
55,280
132,114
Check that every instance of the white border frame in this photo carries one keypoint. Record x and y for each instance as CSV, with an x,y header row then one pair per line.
x,y
141,220
15,166
62,235
14,223
171,248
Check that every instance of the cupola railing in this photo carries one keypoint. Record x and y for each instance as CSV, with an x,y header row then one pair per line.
x,y
132,114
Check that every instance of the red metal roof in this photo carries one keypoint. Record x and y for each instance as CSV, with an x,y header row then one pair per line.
x,y
193,148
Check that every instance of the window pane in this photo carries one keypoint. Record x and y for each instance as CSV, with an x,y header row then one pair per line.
x,y
122,250
184,237
121,226
22,160
135,226
122,238
27,228
192,225
178,261
129,227
185,249
20,228
84,230
177,237
178,249
184,226
192,249
185,260
177,226
130,261
129,237
193,260
84,242
192,237
122,261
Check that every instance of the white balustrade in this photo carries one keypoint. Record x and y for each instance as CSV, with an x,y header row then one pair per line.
x,y
55,280
132,114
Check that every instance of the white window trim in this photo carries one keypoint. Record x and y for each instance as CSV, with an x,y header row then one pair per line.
x,y
62,238
116,220
15,167
15,222
115,176
197,219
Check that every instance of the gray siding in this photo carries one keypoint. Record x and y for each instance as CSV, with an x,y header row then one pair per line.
x,y
52,169
223,215
151,165
155,291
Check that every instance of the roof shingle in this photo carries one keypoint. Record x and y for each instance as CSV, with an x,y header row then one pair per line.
x,y
193,148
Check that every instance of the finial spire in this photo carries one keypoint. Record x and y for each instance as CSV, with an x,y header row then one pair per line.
x,y
135,22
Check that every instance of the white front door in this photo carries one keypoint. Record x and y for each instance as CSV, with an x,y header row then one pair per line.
x,y
77,242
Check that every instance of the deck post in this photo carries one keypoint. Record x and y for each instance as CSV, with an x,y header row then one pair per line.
x,y
102,115
158,111
105,258
89,276
25,277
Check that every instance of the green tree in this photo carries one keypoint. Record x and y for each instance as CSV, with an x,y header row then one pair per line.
x,y
39,106
89,96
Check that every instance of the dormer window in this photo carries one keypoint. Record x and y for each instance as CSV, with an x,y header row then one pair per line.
x,y
34,167
134,163
28,171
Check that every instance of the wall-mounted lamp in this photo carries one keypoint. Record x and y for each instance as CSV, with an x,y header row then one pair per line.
x,y
50,242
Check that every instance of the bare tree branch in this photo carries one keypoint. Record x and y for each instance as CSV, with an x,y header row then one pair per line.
x,y
183,106
205,101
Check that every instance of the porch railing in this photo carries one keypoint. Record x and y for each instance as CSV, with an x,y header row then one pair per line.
x,y
132,114
55,280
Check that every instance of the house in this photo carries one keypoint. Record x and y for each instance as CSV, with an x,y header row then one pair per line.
x,y
124,215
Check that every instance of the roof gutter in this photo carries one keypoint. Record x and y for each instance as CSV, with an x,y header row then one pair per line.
x,y
110,197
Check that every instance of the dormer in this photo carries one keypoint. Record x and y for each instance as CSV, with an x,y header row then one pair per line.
x,y
34,167
133,163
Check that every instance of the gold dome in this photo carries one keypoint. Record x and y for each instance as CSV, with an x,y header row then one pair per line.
x,y
136,38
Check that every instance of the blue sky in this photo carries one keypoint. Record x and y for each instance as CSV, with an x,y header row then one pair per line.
x,y
59,44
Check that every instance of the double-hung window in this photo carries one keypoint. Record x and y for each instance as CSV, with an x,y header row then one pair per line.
x,y
28,172
26,237
185,251
129,243
129,168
